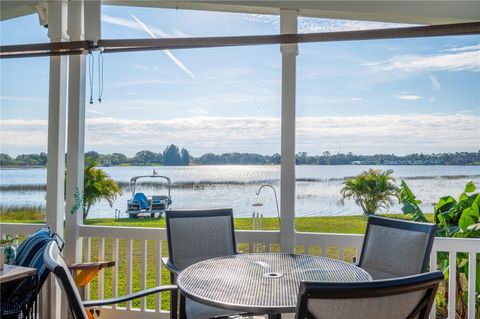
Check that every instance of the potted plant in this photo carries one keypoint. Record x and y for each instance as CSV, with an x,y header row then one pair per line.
x,y
9,249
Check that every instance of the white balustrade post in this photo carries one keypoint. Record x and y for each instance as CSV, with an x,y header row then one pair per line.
x,y
288,24
57,19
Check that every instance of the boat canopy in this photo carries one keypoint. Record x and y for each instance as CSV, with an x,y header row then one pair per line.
x,y
133,182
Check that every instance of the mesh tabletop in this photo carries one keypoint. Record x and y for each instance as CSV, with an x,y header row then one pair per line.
x,y
261,283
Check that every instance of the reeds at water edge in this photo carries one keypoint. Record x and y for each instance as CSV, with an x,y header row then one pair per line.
x,y
22,212
125,185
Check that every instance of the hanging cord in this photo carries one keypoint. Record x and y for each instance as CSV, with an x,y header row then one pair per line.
x,y
100,76
91,64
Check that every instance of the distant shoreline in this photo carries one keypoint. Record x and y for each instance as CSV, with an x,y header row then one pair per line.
x,y
176,156
268,164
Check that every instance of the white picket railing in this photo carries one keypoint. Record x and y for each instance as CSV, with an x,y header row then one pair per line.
x,y
143,248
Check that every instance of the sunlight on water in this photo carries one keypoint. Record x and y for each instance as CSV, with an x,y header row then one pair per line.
x,y
318,196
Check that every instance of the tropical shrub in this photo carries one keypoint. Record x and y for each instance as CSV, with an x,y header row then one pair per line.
x,y
372,190
97,186
454,218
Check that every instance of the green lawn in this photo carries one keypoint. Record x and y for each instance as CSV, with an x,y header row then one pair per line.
x,y
331,224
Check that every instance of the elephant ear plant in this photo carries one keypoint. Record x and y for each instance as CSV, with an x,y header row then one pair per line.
x,y
410,203
459,218
454,218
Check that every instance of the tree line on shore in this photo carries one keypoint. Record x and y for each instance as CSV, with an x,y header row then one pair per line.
x,y
173,155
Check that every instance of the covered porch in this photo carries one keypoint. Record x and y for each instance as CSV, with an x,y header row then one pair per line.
x,y
143,248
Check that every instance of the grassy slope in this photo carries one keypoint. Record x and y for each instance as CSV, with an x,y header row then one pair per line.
x,y
324,224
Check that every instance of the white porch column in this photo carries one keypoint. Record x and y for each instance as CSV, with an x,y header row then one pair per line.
x,y
288,24
75,137
80,14
93,25
57,18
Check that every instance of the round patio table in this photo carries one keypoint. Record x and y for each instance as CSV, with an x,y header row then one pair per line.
x,y
261,283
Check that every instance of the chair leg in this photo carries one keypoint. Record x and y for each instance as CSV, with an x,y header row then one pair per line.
x,y
183,314
173,299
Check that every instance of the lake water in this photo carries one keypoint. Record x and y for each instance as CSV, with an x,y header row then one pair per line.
x,y
313,198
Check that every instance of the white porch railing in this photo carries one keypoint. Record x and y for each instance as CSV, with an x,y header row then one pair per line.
x,y
138,252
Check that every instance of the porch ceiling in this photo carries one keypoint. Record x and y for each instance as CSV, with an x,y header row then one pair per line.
x,y
405,11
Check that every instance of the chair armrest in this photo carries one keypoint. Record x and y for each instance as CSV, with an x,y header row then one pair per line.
x,y
171,268
91,265
139,294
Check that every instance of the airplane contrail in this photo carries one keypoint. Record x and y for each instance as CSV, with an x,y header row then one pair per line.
x,y
167,52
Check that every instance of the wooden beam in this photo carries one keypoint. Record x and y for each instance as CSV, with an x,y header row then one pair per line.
x,y
44,49
130,45
210,42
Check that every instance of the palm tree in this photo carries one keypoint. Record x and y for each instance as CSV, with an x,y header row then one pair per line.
x,y
97,186
371,190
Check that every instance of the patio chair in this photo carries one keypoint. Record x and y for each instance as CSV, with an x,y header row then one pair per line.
x,y
396,248
57,265
30,252
401,298
194,236
19,297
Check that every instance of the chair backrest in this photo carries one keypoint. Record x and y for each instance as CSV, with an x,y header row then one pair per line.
x,y
396,248
57,265
196,235
30,252
401,298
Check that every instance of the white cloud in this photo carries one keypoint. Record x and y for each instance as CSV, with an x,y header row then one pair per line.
x,y
12,133
197,111
140,67
316,25
462,61
22,99
360,134
409,97
95,112
465,48
435,83
357,98
152,31
167,52
262,18
180,34
143,82
133,25
431,100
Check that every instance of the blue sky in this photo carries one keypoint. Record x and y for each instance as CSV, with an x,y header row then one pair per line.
x,y
387,96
